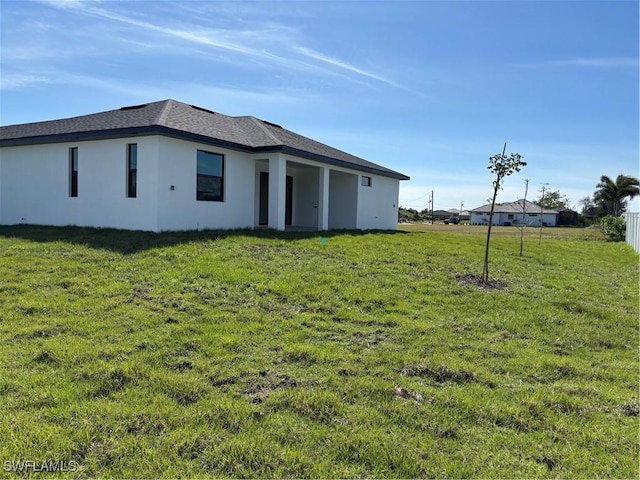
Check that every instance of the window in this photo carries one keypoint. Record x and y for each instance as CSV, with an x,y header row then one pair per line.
x,y
209,181
73,172
132,170
366,181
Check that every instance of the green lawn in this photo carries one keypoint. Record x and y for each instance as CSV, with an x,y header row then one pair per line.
x,y
260,354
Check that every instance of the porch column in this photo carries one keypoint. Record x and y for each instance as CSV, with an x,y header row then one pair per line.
x,y
277,191
323,199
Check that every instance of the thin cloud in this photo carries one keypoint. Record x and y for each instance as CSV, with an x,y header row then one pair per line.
x,y
18,81
338,63
235,41
65,3
614,62
231,98
201,38
600,62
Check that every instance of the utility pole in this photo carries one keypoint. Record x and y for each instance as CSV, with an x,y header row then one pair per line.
x,y
524,215
460,214
541,212
431,207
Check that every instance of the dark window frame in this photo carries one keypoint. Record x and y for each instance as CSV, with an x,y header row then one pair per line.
x,y
366,181
132,170
203,195
73,171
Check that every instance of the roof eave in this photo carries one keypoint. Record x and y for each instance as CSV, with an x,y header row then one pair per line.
x,y
182,135
121,133
76,136
331,161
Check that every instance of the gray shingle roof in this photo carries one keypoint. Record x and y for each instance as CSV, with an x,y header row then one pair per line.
x,y
176,119
513,207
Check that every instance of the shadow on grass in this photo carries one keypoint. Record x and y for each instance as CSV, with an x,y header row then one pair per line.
x,y
132,241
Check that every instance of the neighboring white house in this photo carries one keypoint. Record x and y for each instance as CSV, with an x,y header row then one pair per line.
x,y
172,166
520,212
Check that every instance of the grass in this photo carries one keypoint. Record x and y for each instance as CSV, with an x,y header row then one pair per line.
x,y
262,354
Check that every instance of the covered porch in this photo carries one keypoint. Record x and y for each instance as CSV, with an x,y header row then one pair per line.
x,y
299,195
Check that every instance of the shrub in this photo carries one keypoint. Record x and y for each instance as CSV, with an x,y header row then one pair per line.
x,y
613,227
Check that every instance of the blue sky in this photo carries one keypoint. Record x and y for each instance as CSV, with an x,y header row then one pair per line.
x,y
428,88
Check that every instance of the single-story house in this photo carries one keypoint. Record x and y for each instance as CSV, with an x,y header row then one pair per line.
x,y
441,214
520,212
171,166
461,214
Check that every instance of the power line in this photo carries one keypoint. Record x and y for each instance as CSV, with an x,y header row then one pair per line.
x,y
416,199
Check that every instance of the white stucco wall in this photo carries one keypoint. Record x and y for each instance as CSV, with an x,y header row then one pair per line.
x,y
549,220
34,188
34,185
530,220
378,204
178,208
343,200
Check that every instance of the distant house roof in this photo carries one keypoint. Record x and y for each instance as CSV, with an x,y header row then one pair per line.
x,y
514,207
455,211
441,213
179,120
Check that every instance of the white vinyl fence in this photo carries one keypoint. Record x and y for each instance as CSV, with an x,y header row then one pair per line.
x,y
632,235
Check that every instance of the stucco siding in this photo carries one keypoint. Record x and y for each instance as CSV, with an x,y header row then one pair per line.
x,y
378,203
343,200
178,207
34,185
35,188
499,218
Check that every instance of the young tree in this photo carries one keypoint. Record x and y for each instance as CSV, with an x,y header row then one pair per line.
x,y
610,196
552,199
524,215
543,190
502,167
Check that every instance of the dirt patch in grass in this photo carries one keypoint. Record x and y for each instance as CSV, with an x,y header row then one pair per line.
x,y
549,462
478,281
110,382
45,357
261,387
182,366
41,332
186,398
631,409
405,393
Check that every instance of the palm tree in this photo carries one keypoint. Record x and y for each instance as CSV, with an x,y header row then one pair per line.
x,y
610,195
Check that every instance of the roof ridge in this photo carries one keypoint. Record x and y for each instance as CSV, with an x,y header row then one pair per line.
x,y
164,112
266,130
